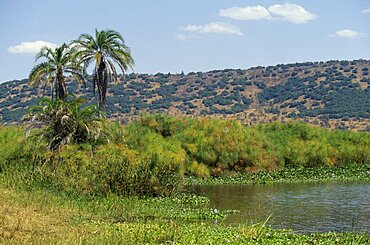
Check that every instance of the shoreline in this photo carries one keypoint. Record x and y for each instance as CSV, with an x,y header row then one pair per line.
x,y
42,216
351,172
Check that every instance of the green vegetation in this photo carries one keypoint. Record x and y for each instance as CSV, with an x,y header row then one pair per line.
x,y
40,216
65,122
125,184
152,156
349,172
52,71
216,147
105,48
90,169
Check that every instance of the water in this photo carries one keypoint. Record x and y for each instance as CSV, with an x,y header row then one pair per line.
x,y
302,207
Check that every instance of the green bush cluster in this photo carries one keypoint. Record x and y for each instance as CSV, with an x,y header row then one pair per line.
x,y
302,145
15,152
216,147
151,156
111,168
86,169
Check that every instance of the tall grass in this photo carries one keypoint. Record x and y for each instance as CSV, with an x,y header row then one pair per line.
x,y
220,146
99,170
151,156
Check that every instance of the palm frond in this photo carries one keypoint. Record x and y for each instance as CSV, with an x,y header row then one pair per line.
x,y
39,72
113,69
105,48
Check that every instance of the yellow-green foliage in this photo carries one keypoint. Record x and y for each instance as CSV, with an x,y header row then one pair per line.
x,y
198,169
15,150
149,143
104,169
351,147
303,145
216,144
229,146
151,156
111,168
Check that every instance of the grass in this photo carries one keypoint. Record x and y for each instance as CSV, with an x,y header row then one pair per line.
x,y
46,217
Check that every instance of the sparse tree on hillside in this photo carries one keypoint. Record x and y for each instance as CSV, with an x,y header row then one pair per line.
x,y
52,70
105,49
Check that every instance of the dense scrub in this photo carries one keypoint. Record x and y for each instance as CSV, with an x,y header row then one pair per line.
x,y
151,156
215,146
104,169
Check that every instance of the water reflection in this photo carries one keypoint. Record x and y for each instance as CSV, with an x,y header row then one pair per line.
x,y
322,207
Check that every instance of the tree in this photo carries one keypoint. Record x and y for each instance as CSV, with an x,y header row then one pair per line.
x,y
51,71
106,49
62,122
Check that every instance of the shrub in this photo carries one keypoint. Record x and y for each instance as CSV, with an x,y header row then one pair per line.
x,y
16,152
112,168
65,122
92,170
212,144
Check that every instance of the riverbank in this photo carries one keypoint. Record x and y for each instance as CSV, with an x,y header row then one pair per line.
x,y
351,172
44,216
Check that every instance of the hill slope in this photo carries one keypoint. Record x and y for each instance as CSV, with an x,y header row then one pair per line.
x,y
333,94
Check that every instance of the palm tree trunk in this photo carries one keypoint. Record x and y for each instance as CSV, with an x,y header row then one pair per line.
x,y
62,90
56,89
102,84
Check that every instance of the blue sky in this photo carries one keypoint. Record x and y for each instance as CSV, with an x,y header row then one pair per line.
x,y
190,35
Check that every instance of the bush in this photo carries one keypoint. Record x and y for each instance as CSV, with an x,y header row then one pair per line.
x,y
302,145
17,153
91,170
211,145
112,168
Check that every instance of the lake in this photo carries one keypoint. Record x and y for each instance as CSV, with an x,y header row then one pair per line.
x,y
302,207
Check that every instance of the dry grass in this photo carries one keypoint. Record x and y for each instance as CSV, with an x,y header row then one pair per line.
x,y
26,220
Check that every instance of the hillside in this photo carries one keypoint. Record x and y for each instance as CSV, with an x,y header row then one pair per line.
x,y
333,94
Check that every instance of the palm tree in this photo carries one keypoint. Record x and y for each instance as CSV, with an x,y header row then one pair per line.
x,y
106,49
51,72
62,122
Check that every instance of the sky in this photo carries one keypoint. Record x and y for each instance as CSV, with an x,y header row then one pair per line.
x,y
190,35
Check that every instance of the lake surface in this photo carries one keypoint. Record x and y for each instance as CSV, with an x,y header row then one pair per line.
x,y
302,207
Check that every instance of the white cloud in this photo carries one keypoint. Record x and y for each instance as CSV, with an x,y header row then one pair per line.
x,y
347,33
30,47
182,37
292,12
247,13
366,11
213,27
